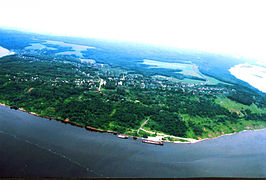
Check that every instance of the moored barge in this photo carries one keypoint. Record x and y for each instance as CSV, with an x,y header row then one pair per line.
x,y
153,142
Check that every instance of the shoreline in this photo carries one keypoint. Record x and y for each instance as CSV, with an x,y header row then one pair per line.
x,y
5,52
66,121
231,134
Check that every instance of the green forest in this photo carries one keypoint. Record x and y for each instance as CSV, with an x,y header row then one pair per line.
x,y
67,89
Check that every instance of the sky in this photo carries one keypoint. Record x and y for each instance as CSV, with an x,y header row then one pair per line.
x,y
235,27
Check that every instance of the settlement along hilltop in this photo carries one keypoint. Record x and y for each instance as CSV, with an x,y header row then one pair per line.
x,y
136,99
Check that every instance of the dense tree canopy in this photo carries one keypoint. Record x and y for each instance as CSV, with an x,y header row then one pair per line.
x,y
68,89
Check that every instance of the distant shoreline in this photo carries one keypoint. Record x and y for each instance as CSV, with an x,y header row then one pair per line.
x,y
252,74
5,52
113,132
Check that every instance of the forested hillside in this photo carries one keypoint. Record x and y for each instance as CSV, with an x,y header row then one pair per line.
x,y
66,89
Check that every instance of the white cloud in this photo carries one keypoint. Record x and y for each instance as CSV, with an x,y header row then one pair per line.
x,y
234,27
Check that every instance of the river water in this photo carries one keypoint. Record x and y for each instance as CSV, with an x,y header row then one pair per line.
x,y
31,146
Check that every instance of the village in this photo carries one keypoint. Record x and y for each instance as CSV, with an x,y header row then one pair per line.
x,y
98,77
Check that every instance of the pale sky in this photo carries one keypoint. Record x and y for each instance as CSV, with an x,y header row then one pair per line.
x,y
235,27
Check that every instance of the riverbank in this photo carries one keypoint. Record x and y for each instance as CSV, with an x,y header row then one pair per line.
x,y
64,121
115,133
190,140
45,142
233,133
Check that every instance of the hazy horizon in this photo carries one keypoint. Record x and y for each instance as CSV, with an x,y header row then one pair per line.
x,y
225,27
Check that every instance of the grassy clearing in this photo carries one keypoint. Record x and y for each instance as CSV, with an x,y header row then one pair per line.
x,y
143,134
237,107
113,112
209,80
173,139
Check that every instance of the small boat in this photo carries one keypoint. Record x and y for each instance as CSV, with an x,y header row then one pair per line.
x,y
135,138
153,142
14,107
122,136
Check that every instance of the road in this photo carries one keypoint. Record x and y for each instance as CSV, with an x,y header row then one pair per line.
x,y
143,125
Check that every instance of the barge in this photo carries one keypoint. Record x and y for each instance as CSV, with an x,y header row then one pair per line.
x,y
122,136
153,142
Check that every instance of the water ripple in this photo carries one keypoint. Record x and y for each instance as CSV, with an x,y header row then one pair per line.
x,y
53,152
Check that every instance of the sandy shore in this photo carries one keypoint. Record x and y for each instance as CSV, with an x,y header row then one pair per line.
x,y
5,52
252,74
232,134
113,132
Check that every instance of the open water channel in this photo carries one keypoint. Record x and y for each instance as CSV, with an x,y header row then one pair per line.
x,y
31,146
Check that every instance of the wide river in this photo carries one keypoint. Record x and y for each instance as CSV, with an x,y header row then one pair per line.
x,y
31,146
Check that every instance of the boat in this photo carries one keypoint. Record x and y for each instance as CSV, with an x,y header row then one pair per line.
x,y
153,142
122,136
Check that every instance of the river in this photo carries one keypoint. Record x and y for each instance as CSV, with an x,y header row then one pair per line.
x,y
5,52
255,75
31,146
